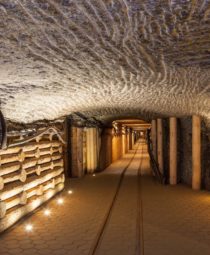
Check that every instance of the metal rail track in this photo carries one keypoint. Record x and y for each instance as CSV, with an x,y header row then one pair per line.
x,y
96,245
139,225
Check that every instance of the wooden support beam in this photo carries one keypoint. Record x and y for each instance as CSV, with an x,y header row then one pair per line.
x,y
196,152
133,139
130,139
154,138
173,151
77,152
91,149
124,143
160,143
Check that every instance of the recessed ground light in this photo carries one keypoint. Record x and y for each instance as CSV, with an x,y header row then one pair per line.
x,y
28,227
94,175
60,201
47,212
70,191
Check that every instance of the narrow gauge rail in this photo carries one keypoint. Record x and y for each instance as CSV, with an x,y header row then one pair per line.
x,y
95,249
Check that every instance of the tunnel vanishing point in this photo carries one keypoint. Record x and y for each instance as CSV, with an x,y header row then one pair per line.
x,y
104,127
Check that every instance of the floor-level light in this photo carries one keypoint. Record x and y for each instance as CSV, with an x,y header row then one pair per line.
x,y
94,175
28,227
47,212
60,201
70,191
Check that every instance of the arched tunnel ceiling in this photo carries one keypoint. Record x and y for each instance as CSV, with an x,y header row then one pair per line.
x,y
104,58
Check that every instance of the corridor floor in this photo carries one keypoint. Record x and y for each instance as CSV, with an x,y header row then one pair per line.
x,y
122,210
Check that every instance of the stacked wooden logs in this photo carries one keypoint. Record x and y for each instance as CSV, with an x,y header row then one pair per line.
x,y
31,171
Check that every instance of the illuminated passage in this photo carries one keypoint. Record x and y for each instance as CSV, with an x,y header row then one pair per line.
x,y
104,127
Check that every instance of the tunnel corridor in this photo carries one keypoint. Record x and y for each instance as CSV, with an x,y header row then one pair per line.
x,y
104,127
83,188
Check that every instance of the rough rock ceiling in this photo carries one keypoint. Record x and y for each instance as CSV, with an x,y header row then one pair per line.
x,y
104,58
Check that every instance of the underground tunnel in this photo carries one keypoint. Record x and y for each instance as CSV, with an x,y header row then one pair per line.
x,y
104,127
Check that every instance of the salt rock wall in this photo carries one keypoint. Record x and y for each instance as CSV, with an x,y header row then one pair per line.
x,y
205,158
77,153
185,153
105,158
31,172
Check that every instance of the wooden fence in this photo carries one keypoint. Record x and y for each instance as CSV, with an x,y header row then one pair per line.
x,y
31,172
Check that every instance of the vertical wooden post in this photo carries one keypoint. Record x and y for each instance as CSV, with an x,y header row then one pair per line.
x,y
127,139
154,138
160,144
133,139
91,150
88,144
120,142
80,151
84,141
95,149
114,146
196,152
76,151
173,151
67,147
130,139
123,143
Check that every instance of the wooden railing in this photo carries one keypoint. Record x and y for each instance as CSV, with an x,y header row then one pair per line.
x,y
31,172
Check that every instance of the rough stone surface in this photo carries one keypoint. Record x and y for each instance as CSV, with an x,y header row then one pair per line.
x,y
77,152
104,58
205,157
207,166
185,153
185,150
105,155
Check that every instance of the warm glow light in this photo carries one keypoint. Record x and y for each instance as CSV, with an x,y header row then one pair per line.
x,y
94,175
60,201
70,191
29,228
47,212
